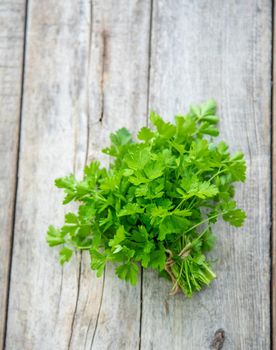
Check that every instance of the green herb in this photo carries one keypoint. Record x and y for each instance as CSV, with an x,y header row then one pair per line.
x,y
156,204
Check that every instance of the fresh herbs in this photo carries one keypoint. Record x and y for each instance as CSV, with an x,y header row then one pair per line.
x,y
156,204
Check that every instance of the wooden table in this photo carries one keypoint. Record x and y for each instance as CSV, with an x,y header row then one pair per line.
x,y
71,72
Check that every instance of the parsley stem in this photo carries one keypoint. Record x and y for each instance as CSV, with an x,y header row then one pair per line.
x,y
202,222
192,202
219,172
215,175
180,273
179,205
190,244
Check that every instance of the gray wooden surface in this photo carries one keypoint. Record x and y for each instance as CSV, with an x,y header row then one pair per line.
x,y
80,70
12,16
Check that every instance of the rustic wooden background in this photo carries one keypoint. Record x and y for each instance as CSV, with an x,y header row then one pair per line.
x,y
72,71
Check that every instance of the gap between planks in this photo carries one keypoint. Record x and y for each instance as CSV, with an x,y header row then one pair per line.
x,y
273,179
147,123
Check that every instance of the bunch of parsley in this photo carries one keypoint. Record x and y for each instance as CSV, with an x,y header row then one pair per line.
x,y
156,204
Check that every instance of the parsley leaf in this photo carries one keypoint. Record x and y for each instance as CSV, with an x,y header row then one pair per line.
x,y
128,272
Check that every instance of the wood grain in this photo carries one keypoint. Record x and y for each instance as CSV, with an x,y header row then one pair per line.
x,y
203,49
12,18
86,75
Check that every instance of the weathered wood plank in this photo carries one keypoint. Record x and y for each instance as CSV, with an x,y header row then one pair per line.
x,y
11,63
203,49
42,294
117,97
86,74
